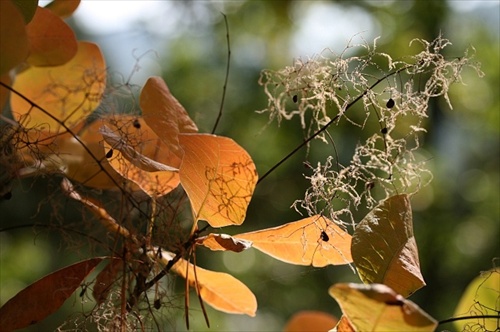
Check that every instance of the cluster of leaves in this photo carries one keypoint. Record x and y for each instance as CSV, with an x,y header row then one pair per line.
x,y
157,155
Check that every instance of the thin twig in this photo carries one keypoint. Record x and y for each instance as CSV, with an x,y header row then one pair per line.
x,y
227,76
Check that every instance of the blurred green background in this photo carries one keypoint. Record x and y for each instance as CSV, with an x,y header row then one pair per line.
x,y
456,218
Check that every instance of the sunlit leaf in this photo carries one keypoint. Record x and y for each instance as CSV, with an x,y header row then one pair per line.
x,y
13,38
480,298
27,8
63,8
314,241
105,280
220,290
314,321
343,325
377,307
164,114
52,42
44,296
219,178
140,156
223,242
384,248
69,92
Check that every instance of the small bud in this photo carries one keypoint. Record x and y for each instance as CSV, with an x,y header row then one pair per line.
x,y
390,103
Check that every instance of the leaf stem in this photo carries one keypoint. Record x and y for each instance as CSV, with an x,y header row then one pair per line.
x,y
454,319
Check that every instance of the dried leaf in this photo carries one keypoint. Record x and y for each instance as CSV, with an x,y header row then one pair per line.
x,y
313,321
164,114
69,92
314,240
44,296
384,248
223,242
377,307
14,46
140,156
220,290
52,41
219,178
105,280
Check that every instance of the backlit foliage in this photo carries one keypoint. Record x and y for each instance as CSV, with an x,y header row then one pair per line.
x,y
151,187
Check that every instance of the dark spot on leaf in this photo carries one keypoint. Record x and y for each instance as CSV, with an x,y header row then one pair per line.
x,y
324,236
137,124
157,304
295,98
390,103
109,154
383,130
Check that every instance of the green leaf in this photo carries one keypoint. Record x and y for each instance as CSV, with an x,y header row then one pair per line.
x,y
384,248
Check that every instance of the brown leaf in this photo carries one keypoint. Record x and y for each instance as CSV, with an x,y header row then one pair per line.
x,y
314,321
314,241
377,307
52,41
105,280
44,296
223,242
344,325
384,248
14,46
219,177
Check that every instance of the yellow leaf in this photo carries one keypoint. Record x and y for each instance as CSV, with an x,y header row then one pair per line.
x,y
216,242
220,290
384,248
68,93
480,298
219,178
139,155
52,42
164,114
13,38
314,321
377,307
314,241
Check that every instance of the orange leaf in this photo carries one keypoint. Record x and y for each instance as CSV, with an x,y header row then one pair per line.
x,y
223,242
14,46
44,296
220,290
68,92
140,156
344,325
52,42
219,178
377,307
384,248
105,279
164,114
63,8
310,321
314,240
